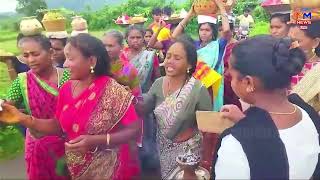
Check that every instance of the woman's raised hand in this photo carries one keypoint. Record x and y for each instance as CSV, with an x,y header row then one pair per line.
x,y
191,12
11,115
232,112
220,4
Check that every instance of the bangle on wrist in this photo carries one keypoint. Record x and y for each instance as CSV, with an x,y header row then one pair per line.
x,y
182,25
11,69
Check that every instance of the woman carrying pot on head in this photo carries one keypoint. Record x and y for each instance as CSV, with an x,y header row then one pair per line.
x,y
266,141
210,49
37,91
174,99
210,66
145,61
307,82
95,115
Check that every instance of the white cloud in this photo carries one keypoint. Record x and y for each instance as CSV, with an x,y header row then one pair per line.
x,y
8,5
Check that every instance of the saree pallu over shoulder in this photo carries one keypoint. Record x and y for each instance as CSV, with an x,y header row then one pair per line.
x,y
112,105
308,87
144,64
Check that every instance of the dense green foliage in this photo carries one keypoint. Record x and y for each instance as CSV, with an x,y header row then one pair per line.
x,y
260,28
11,142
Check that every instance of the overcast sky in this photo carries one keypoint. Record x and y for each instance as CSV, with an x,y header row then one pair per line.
x,y
7,5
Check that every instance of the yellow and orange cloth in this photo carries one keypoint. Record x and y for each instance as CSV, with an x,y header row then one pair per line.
x,y
208,77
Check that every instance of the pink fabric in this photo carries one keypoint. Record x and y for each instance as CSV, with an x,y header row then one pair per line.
x,y
129,165
79,115
41,154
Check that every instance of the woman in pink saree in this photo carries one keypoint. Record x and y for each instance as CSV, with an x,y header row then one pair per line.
x,y
95,115
37,90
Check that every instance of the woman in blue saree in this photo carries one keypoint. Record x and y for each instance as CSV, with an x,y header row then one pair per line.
x,y
210,51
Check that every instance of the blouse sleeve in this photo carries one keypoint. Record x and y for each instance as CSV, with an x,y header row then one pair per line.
x,y
15,92
231,158
204,102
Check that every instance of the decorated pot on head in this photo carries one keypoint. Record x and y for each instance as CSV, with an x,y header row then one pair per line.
x,y
30,26
209,7
53,21
55,25
79,24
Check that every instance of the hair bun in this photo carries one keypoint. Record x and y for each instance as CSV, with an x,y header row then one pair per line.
x,y
287,61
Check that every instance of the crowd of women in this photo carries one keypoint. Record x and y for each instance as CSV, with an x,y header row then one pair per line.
x,y
111,110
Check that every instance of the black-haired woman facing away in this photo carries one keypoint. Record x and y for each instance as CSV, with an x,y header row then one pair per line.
x,y
276,138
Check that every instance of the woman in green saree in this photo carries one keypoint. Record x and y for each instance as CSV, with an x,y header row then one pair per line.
x,y
174,99
37,90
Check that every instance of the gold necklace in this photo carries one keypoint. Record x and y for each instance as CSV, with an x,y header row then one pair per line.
x,y
310,59
281,113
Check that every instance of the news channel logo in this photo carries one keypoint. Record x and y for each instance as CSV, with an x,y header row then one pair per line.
x,y
304,16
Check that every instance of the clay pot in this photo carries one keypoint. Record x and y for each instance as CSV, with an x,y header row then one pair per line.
x,y
304,4
205,7
79,24
209,7
30,26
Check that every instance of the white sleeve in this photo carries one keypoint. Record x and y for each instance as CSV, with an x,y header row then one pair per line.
x,y
232,162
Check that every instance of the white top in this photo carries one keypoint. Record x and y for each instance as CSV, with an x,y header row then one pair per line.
x,y
301,143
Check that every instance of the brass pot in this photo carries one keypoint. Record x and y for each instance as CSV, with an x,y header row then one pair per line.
x,y
30,26
304,4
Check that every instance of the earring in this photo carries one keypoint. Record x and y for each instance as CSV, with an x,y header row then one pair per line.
x,y
92,70
188,71
314,50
